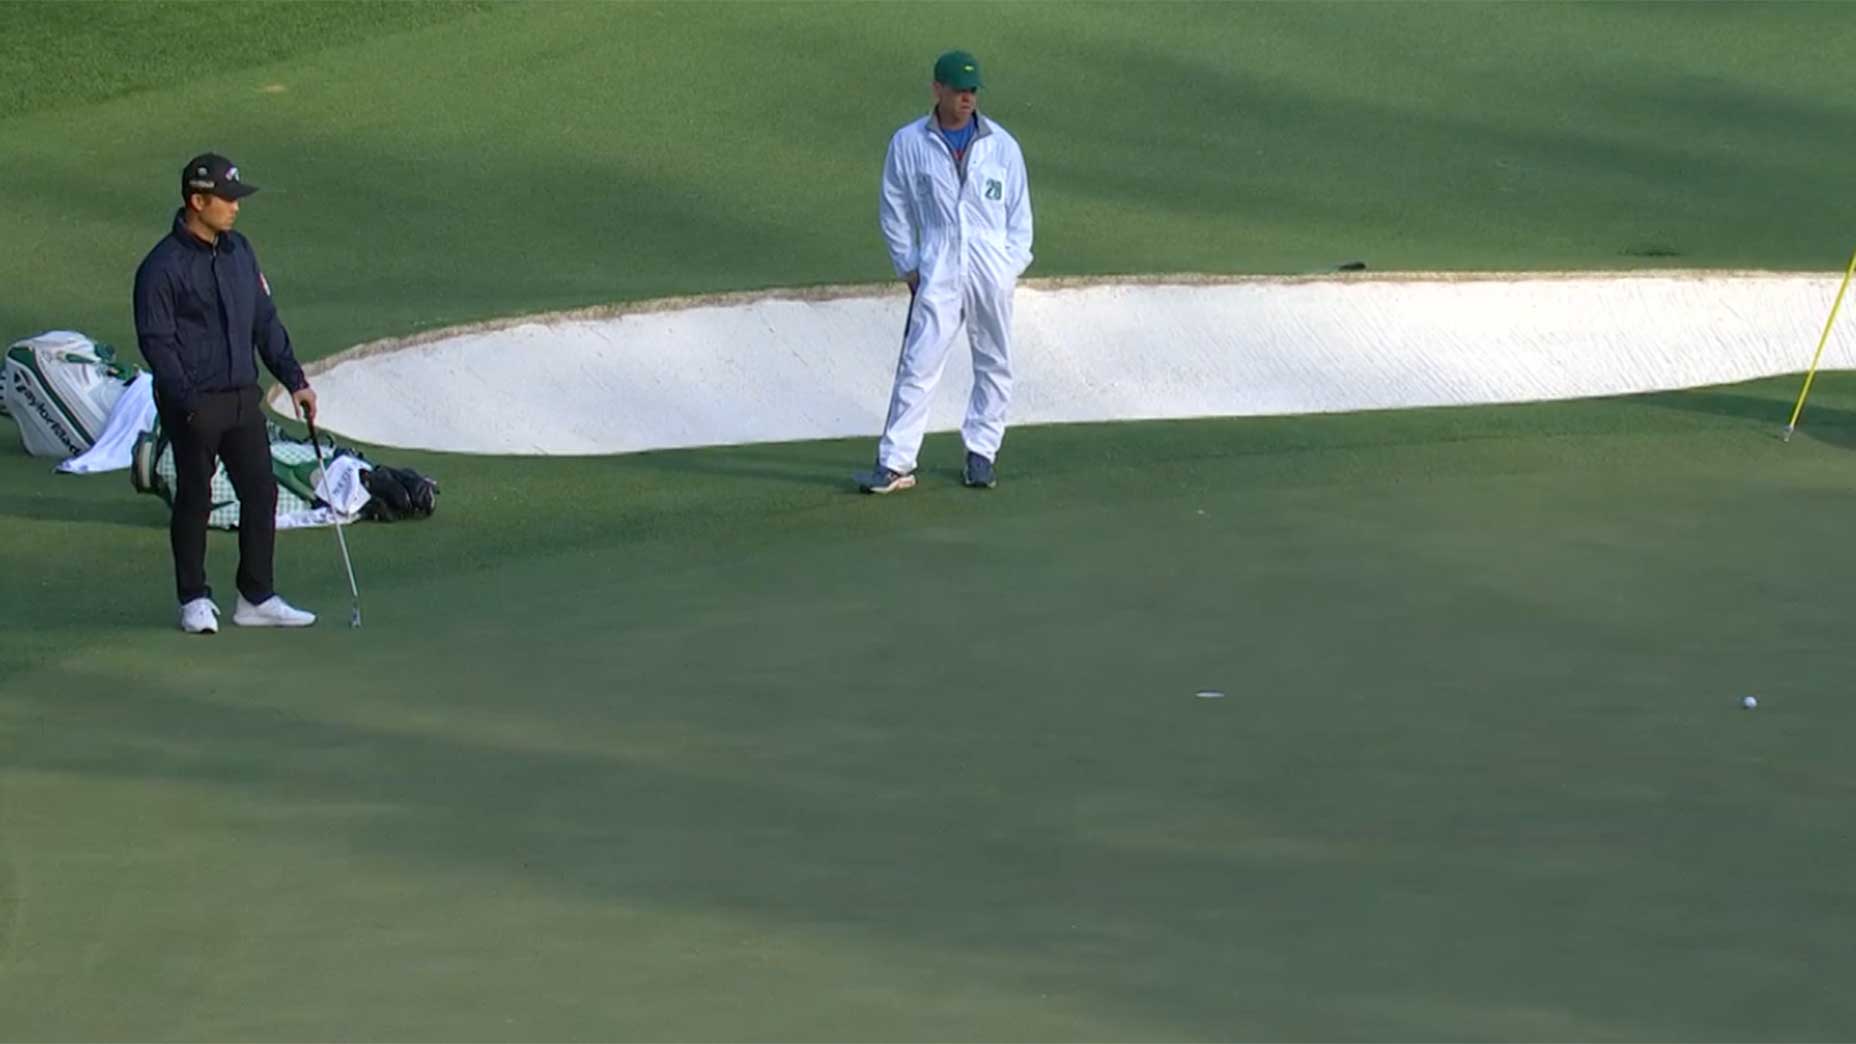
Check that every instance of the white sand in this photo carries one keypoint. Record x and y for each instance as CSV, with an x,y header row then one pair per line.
x,y
776,367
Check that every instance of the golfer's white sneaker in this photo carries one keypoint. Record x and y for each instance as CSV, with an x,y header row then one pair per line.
x,y
200,616
272,612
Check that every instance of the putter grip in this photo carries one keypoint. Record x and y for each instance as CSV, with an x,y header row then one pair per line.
x,y
315,441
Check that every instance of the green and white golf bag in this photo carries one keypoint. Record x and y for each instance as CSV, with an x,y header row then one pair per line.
x,y
60,388
293,462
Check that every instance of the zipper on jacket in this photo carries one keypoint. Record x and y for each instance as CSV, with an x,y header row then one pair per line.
x,y
225,316
960,165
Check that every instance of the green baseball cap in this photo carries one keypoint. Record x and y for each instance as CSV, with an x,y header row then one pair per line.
x,y
959,70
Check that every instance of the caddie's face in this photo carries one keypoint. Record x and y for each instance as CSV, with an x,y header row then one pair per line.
x,y
215,213
956,103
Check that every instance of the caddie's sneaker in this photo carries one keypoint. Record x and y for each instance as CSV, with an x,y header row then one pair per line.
x,y
883,480
979,473
200,616
272,612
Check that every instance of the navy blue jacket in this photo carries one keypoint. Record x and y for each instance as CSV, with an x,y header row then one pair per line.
x,y
200,309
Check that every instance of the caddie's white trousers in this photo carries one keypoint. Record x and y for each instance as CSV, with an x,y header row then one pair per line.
x,y
935,318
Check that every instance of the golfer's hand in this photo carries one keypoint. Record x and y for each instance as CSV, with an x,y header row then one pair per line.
x,y
914,279
305,403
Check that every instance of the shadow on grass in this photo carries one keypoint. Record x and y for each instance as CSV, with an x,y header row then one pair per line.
x,y
917,860
1140,867
1056,841
129,510
813,465
1825,418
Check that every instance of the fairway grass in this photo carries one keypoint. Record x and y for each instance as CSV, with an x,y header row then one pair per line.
x,y
530,158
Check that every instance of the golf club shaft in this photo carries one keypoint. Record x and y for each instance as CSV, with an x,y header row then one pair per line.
x,y
315,442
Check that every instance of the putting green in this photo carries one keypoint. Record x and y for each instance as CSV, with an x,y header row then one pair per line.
x,y
731,752
701,745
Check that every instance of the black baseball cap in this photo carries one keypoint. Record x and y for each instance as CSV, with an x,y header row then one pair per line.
x,y
213,175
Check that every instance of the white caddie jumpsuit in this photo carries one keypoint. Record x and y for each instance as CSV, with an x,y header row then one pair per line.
x,y
966,229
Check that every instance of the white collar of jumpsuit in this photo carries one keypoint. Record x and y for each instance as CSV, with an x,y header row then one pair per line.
x,y
932,126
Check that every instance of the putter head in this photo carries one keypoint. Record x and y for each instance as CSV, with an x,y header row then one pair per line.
x,y
354,619
1786,435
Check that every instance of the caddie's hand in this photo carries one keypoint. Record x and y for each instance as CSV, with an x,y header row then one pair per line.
x,y
305,403
914,279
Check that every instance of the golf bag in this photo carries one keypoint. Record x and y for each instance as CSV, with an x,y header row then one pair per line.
x,y
293,463
60,388
390,494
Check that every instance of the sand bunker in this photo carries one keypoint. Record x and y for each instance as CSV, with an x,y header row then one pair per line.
x,y
818,364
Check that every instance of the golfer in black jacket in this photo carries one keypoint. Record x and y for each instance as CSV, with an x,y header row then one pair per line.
x,y
201,309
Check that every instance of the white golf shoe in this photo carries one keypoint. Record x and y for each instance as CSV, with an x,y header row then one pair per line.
x,y
200,616
272,612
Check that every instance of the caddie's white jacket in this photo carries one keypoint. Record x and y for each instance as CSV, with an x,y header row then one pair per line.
x,y
968,233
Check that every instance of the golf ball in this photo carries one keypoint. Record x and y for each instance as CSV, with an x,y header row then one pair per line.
x,y
1750,702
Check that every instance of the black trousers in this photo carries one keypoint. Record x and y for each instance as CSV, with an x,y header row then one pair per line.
x,y
229,426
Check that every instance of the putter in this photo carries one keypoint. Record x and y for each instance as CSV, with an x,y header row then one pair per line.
x,y
315,441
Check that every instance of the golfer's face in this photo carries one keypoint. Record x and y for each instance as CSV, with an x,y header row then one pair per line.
x,y
216,213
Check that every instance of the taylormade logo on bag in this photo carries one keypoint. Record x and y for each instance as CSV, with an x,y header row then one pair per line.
x,y
27,391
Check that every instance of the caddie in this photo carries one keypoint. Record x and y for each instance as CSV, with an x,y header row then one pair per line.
x,y
202,308
955,211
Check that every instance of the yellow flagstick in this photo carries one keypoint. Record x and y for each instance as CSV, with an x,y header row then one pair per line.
x,y
1811,374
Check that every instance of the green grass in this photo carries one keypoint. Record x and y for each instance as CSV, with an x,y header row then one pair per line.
x,y
700,745
540,156
63,55
727,751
